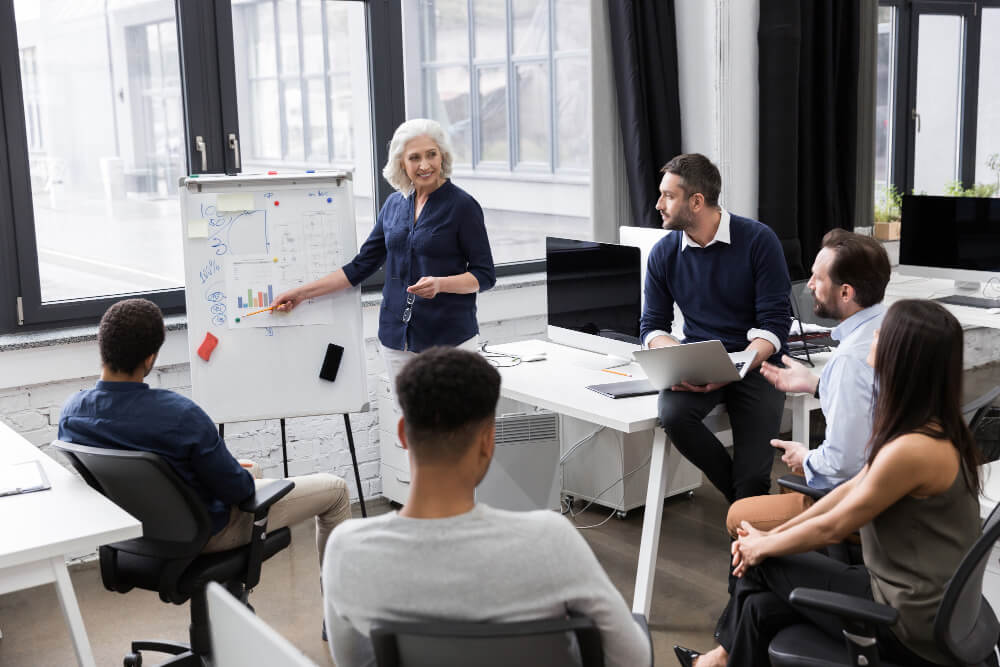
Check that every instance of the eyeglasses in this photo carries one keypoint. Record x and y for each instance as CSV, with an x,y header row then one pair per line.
x,y
408,313
499,359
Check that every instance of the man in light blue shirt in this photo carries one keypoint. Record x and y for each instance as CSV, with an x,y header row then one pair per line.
x,y
848,281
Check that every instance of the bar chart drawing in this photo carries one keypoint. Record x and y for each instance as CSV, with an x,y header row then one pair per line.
x,y
255,298
252,283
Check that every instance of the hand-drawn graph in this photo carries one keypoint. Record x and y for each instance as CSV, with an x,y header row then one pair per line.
x,y
302,249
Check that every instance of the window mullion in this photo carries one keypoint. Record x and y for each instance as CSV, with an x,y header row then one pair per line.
x,y
513,124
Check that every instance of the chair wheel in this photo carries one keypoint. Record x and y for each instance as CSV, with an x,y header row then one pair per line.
x,y
133,660
621,514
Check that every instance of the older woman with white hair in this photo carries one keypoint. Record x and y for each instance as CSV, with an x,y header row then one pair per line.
x,y
431,238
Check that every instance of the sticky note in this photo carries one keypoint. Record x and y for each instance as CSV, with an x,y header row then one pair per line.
x,y
207,345
238,201
198,229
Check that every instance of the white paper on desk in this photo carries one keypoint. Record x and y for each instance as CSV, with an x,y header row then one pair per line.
x,y
21,478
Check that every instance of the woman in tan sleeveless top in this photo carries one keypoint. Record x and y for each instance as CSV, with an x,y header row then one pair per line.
x,y
915,503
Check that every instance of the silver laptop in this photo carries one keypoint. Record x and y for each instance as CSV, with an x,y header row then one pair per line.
x,y
697,363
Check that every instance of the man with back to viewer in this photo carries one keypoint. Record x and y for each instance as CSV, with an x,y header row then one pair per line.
x,y
124,412
444,556
728,275
848,282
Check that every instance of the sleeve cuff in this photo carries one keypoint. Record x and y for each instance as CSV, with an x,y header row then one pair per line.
x,y
765,335
653,334
807,470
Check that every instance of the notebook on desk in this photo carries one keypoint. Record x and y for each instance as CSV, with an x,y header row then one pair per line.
x,y
16,478
625,389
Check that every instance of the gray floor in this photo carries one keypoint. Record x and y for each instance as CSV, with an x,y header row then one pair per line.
x,y
690,586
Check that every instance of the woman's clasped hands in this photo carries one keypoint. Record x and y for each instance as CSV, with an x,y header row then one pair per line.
x,y
747,548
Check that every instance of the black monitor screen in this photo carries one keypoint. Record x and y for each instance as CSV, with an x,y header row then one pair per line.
x,y
594,288
950,232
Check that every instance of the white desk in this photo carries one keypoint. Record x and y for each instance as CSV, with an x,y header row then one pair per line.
x,y
559,384
42,528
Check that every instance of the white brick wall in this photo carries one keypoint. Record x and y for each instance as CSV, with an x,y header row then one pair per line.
x,y
315,444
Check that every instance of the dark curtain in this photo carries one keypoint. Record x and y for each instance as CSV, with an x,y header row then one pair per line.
x,y
808,75
644,52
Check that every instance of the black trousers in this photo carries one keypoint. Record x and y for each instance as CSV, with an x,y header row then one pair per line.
x,y
758,607
754,407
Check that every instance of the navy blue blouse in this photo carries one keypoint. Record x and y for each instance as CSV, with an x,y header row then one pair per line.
x,y
448,239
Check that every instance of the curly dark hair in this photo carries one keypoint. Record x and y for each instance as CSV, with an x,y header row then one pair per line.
x,y
130,331
446,395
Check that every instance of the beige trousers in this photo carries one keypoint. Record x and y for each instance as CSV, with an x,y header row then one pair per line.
x,y
320,495
766,512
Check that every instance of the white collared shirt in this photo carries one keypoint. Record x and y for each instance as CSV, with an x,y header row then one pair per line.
x,y
721,236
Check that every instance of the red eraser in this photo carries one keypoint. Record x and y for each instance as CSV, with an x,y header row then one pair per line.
x,y
207,345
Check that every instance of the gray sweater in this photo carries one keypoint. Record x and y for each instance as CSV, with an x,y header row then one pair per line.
x,y
486,565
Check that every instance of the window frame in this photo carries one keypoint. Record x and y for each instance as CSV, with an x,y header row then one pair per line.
x,y
903,132
208,81
510,62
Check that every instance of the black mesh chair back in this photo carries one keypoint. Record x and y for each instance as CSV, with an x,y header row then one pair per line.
x,y
175,523
562,642
976,409
176,526
965,622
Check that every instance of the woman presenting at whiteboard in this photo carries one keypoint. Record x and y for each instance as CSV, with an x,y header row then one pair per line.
x,y
431,238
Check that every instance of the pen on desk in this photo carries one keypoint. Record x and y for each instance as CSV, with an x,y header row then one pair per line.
x,y
262,310
608,370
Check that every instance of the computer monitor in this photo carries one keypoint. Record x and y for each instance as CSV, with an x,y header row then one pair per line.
x,y
950,237
594,293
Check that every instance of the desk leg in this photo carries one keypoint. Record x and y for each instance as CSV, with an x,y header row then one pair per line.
x,y
653,517
71,610
800,419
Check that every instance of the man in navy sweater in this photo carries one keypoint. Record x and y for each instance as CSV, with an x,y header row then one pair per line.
x,y
124,412
728,276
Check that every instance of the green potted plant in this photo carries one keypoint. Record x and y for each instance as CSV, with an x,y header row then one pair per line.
x,y
888,202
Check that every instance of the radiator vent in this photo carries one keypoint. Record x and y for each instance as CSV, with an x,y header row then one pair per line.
x,y
531,427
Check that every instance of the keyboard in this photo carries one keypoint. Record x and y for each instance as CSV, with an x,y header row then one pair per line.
x,y
972,301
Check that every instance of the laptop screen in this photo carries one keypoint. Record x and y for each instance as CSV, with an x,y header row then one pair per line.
x,y
594,288
804,305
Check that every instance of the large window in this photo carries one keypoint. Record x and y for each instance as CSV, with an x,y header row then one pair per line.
x,y
938,101
108,104
510,82
103,126
302,89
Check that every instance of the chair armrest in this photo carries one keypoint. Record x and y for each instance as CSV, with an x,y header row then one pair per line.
x,y
845,606
798,483
260,502
641,621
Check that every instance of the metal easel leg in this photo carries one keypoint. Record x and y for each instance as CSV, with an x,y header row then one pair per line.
x,y
284,447
354,460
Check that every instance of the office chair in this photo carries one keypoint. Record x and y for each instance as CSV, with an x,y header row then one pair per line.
x,y
965,627
175,528
552,642
241,639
